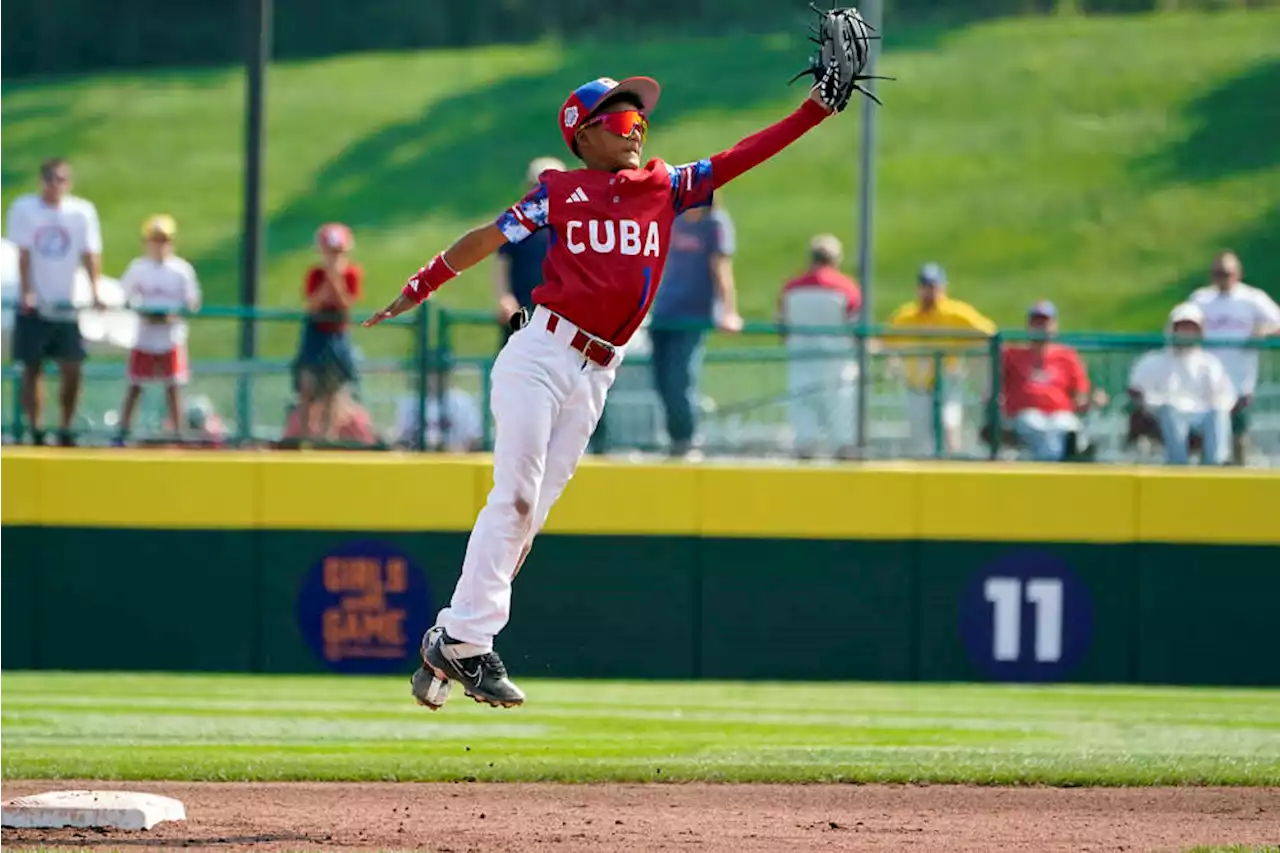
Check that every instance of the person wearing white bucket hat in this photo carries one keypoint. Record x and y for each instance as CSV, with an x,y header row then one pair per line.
x,y
1187,390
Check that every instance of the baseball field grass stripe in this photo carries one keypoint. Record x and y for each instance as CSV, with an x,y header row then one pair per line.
x,y
210,727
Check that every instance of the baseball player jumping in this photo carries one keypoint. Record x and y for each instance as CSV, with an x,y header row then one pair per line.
x,y
610,221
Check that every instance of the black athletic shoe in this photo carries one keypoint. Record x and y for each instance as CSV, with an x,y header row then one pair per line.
x,y
66,439
430,691
483,677
37,437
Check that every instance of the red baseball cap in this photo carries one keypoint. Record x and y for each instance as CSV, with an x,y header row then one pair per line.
x,y
584,100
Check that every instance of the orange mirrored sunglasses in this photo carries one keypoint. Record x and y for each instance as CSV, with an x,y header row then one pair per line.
x,y
623,123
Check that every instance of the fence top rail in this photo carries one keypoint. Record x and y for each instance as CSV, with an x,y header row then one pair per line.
x,y
470,317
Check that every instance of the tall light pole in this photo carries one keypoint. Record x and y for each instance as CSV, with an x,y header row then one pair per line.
x,y
257,56
866,216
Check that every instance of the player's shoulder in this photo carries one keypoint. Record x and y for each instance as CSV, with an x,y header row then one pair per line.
x,y
137,265
1203,295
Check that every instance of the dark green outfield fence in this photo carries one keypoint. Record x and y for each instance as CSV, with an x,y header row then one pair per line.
x,y
653,607
269,562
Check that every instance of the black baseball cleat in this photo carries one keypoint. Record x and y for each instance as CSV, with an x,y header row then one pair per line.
x,y
483,677
430,691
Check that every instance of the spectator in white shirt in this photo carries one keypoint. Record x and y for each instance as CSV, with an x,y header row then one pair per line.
x,y
458,430
1234,311
55,233
159,286
1187,389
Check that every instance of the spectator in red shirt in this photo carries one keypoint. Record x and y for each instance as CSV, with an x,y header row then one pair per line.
x,y
816,311
325,363
1045,387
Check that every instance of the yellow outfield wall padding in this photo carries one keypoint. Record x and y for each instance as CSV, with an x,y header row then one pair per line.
x,y
1198,506
1027,503
808,503
408,492
657,499
21,481
355,491
156,489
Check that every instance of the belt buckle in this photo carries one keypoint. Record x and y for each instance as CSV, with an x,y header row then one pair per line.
x,y
606,348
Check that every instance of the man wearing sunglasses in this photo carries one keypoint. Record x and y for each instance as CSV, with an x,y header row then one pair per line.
x,y
610,222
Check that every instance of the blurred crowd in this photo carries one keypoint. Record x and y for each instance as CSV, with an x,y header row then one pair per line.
x,y
1189,399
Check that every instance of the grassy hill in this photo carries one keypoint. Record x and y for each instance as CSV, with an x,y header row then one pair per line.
x,y
1095,161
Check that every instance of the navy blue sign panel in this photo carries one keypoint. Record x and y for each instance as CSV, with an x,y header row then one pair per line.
x,y
1026,617
363,608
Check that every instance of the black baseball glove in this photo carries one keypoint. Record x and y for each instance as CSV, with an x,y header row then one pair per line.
x,y
844,48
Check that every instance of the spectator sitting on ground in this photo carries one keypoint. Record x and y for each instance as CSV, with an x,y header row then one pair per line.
x,y
458,431
934,310
1234,311
203,426
822,366
350,423
1044,387
325,362
160,286
1187,390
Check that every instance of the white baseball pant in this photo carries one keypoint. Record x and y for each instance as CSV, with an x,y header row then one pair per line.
x,y
547,399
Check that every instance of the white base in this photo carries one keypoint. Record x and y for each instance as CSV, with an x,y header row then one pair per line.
x,y
96,809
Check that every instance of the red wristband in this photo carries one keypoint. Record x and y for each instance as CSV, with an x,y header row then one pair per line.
x,y
427,280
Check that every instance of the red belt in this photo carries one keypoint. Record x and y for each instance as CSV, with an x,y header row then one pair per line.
x,y
592,349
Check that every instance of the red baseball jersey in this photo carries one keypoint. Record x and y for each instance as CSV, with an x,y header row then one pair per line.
x,y
609,239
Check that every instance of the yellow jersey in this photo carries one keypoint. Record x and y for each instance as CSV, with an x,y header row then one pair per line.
x,y
946,313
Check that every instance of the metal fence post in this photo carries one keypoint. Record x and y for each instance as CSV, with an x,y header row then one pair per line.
x,y
995,347
422,327
939,389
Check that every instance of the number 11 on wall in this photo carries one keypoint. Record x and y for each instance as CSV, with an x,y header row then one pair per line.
x,y
1006,595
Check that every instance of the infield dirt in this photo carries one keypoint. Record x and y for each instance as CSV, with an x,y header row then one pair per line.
x,y
457,817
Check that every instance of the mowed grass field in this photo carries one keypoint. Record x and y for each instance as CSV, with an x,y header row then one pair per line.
x,y
1095,161
194,727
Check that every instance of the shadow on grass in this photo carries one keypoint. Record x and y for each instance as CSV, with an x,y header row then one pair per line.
x,y
1235,130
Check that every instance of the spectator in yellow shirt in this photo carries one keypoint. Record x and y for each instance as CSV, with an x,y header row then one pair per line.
x,y
933,310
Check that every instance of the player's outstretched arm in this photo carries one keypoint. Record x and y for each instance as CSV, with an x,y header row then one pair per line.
x,y
758,147
470,249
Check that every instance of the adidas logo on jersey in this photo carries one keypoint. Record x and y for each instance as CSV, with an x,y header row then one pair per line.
x,y
576,195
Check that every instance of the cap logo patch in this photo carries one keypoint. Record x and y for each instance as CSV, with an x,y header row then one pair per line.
x,y
570,116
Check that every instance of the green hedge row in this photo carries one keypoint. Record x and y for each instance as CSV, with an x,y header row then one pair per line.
x,y
43,37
